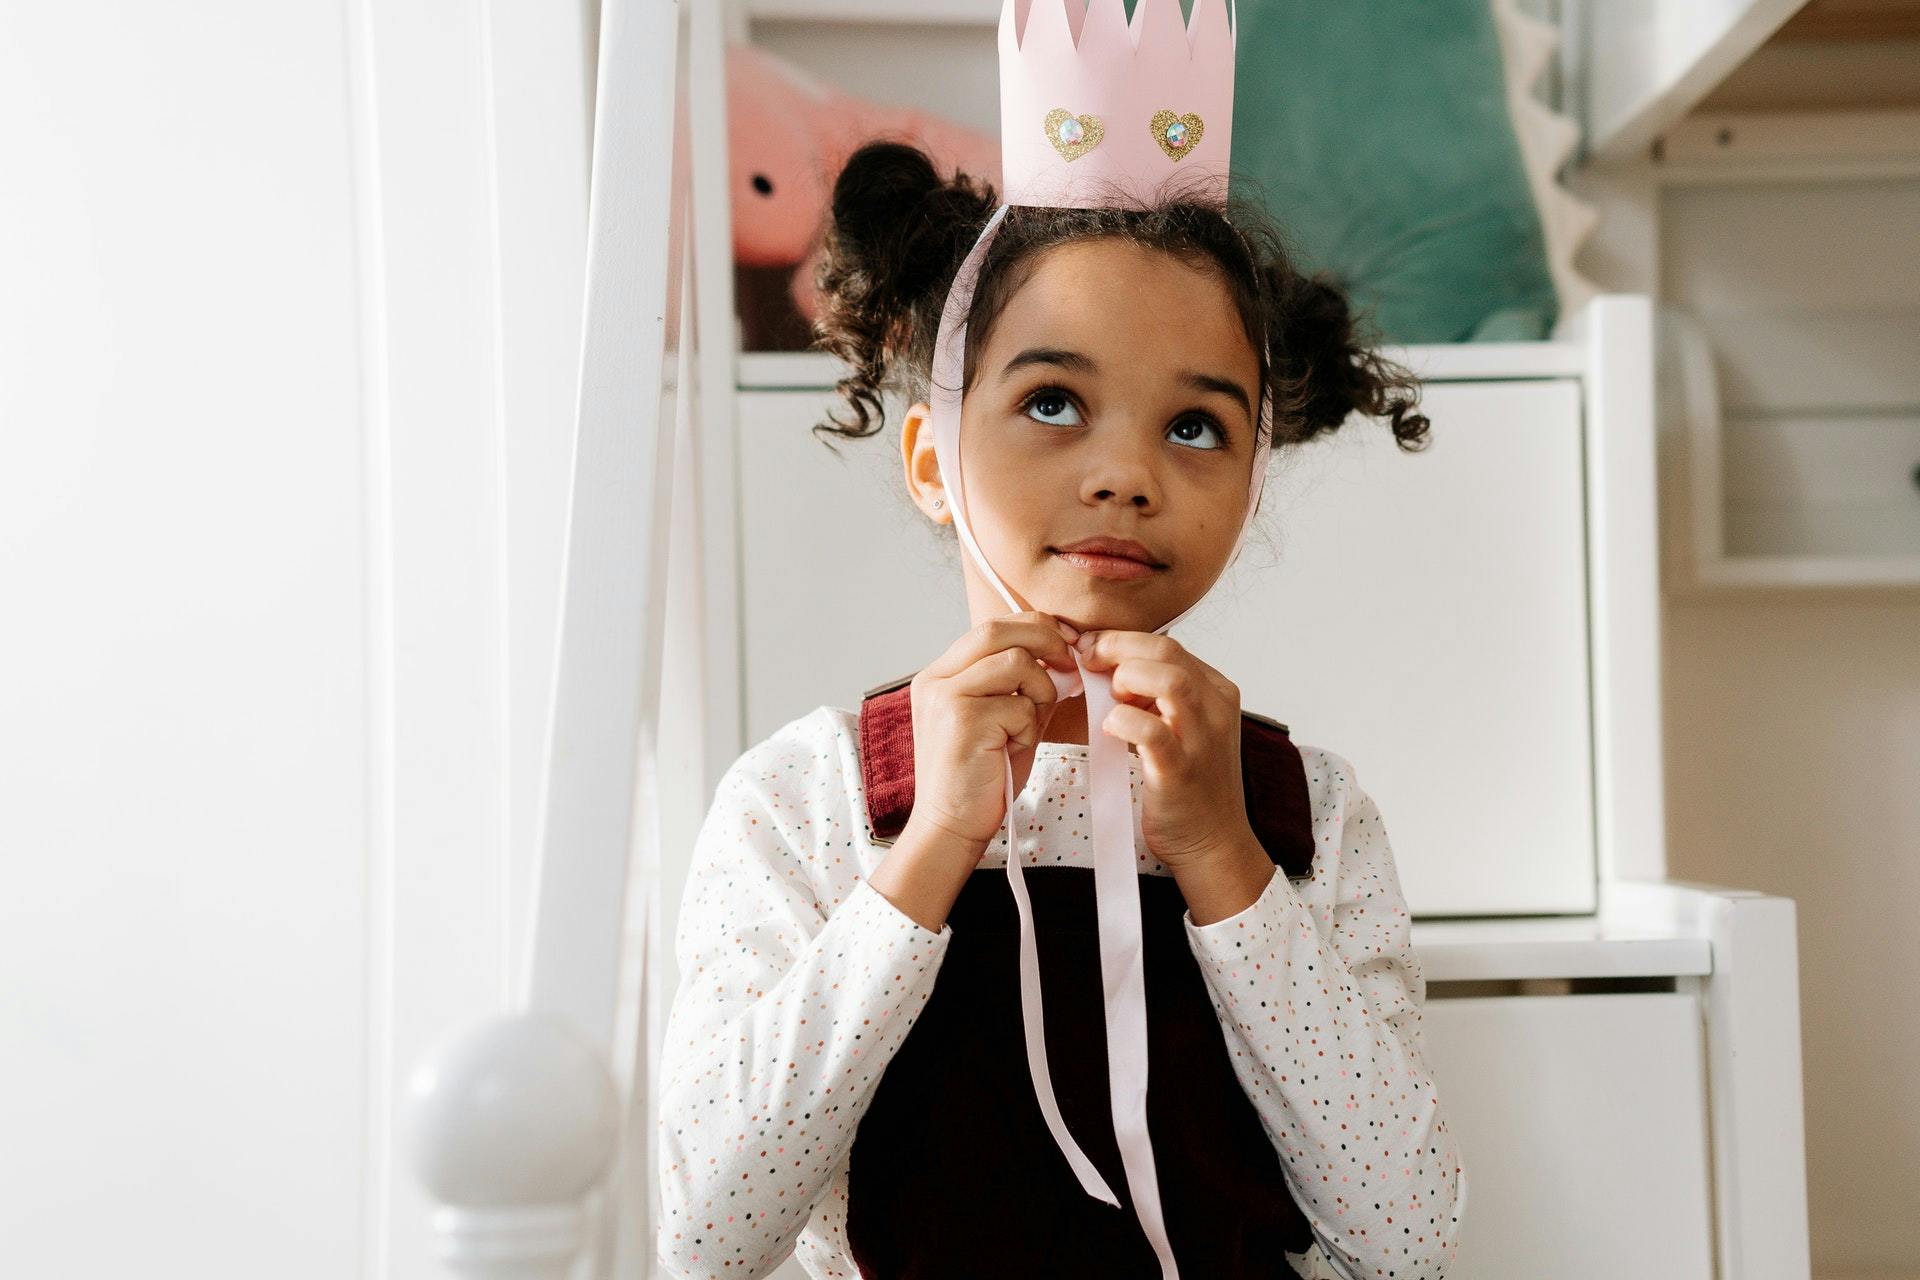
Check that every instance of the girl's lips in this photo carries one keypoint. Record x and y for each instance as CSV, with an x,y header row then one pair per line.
x,y
1101,566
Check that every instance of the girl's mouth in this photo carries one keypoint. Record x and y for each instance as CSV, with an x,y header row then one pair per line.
x,y
1104,566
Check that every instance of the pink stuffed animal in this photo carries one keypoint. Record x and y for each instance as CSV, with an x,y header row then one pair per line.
x,y
788,134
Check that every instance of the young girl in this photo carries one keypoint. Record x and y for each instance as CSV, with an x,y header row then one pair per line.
x,y
844,1077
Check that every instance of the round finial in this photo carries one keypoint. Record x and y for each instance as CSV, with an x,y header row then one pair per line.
x,y
517,1111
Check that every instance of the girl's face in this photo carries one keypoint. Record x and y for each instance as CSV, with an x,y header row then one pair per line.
x,y
1116,396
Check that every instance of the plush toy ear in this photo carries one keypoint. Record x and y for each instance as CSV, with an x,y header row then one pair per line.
x,y
788,134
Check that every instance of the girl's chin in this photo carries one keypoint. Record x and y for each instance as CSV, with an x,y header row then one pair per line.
x,y
1080,617
1088,603
1093,615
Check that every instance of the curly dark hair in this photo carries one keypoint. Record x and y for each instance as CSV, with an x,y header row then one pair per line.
x,y
898,232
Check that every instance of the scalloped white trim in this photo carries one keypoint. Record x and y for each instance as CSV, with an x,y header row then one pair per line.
x,y
1547,139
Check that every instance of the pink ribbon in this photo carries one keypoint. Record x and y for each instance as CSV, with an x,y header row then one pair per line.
x,y
1115,869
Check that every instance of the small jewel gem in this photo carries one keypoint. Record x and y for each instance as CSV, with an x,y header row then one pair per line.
x,y
1176,135
1072,135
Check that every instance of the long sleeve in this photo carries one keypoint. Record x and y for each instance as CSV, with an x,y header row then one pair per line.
x,y
787,1012
1321,1010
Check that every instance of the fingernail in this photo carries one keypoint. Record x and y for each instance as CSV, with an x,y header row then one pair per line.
x,y
1082,642
1067,631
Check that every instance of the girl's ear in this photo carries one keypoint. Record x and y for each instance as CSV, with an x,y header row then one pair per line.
x,y
922,464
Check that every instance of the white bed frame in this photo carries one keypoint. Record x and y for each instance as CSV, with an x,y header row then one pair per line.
x,y
1626,1082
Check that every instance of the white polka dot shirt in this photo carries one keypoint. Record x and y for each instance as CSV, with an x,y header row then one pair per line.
x,y
799,982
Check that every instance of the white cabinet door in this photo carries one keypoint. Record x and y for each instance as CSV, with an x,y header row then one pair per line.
x,y
843,582
1425,616
1422,615
1582,1126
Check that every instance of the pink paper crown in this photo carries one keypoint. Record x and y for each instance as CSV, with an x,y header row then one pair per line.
x,y
1096,110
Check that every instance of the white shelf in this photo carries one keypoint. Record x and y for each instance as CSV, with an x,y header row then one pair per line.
x,y
1764,146
1643,929
1648,62
1790,396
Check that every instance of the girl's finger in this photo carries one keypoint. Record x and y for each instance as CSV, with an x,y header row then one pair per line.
x,y
1143,729
1109,648
1213,676
1147,678
1009,671
1037,633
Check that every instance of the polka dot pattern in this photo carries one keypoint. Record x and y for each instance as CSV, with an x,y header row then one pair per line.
x,y
1320,993
799,982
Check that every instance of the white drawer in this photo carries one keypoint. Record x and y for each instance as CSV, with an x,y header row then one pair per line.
x,y
1582,1122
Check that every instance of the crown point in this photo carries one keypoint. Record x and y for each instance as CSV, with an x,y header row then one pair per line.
x,y
1076,16
1105,31
1049,32
1157,24
1211,35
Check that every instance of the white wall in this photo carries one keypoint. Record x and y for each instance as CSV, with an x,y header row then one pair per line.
x,y
1792,748
286,360
1793,722
1793,767
183,670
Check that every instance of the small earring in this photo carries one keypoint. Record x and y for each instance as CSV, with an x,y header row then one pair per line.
x,y
939,503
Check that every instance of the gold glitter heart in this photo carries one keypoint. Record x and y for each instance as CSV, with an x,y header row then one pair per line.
x,y
1091,131
1158,128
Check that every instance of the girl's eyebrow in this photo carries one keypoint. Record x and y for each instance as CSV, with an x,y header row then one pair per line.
x,y
1057,356
1225,386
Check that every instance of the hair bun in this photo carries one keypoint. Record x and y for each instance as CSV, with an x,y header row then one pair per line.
x,y
899,226
1330,368
1318,333
896,235
877,192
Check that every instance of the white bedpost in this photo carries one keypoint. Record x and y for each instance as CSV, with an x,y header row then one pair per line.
x,y
513,1125
516,1124
1756,1103
1623,586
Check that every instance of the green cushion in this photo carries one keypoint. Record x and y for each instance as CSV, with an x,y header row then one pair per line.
x,y
1378,132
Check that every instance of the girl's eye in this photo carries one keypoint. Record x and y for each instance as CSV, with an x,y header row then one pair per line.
x,y
1054,407
1043,404
1203,421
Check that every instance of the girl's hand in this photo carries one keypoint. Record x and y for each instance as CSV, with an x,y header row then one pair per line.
x,y
985,695
1184,717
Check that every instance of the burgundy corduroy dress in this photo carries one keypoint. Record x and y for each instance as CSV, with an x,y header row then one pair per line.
x,y
953,1174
